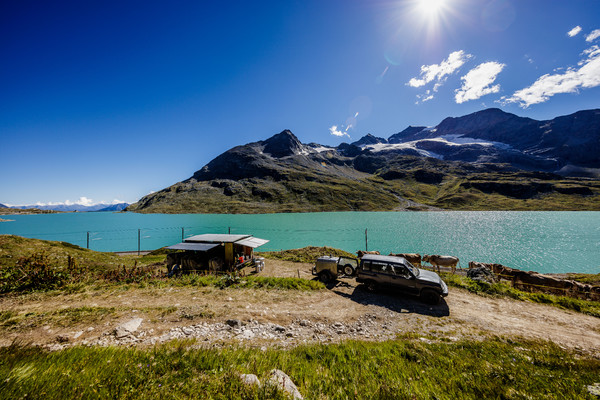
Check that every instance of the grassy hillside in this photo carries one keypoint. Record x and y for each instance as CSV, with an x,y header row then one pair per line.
x,y
307,254
405,183
407,368
13,248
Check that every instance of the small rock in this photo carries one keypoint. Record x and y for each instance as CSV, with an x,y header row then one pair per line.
x,y
304,322
594,389
281,381
91,328
77,334
62,338
234,323
279,328
128,328
250,380
246,334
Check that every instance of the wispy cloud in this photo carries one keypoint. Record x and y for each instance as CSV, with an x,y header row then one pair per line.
x,y
593,35
574,31
477,82
585,75
439,72
337,132
341,131
422,98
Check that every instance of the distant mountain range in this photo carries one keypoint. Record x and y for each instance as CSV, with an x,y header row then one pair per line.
x,y
75,207
486,160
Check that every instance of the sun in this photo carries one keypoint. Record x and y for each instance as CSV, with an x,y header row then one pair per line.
x,y
431,8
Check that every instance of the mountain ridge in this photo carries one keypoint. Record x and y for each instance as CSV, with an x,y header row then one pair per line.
x,y
461,163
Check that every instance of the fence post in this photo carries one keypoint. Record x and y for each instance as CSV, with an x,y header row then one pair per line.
x,y
88,240
366,241
139,241
182,233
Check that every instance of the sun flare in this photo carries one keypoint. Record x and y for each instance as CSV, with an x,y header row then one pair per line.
x,y
431,8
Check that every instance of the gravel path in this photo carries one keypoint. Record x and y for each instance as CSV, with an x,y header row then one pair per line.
x,y
284,318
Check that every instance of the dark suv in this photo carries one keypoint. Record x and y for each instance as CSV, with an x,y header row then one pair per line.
x,y
397,273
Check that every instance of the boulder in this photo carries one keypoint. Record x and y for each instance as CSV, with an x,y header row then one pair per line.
x,y
481,274
127,328
281,381
250,380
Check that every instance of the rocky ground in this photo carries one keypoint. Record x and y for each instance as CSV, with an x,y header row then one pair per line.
x,y
262,318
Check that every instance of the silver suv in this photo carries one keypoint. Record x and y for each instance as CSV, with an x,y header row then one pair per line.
x,y
396,272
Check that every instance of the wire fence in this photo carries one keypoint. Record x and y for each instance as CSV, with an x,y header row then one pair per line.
x,y
148,239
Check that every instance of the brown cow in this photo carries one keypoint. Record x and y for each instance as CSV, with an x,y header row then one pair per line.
x,y
362,253
413,258
476,264
442,261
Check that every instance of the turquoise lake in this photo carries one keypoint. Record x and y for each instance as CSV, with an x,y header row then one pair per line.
x,y
538,241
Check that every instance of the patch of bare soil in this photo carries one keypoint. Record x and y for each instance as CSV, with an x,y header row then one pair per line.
x,y
258,317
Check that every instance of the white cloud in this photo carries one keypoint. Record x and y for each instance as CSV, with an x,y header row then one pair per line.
x,y
477,82
439,72
595,34
422,98
574,31
336,132
569,81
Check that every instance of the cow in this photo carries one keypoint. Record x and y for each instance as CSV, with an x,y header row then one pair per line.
x,y
362,253
442,261
413,258
476,264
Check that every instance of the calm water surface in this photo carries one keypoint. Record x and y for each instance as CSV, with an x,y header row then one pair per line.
x,y
539,241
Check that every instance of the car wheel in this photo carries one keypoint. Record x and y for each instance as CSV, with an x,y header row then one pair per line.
x,y
325,276
348,270
430,296
370,286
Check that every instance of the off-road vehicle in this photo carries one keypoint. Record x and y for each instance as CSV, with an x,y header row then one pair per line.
x,y
397,273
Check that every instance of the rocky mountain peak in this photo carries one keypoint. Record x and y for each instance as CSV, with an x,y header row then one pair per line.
x,y
369,139
406,135
282,144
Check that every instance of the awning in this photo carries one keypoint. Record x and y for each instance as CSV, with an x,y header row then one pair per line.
x,y
252,242
193,246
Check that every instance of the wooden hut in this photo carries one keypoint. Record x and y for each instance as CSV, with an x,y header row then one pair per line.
x,y
214,252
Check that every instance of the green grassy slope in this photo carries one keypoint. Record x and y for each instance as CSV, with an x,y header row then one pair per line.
x,y
407,368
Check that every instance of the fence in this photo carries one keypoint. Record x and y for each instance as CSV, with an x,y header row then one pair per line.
x,y
147,239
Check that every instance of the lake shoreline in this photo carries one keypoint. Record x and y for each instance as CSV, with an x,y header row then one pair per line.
x,y
548,242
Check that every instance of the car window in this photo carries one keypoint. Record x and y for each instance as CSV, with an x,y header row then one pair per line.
x,y
412,268
351,261
402,271
380,267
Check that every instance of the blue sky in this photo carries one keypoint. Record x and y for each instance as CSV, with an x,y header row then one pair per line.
x,y
110,100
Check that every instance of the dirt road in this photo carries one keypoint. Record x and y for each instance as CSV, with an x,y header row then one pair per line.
x,y
281,317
